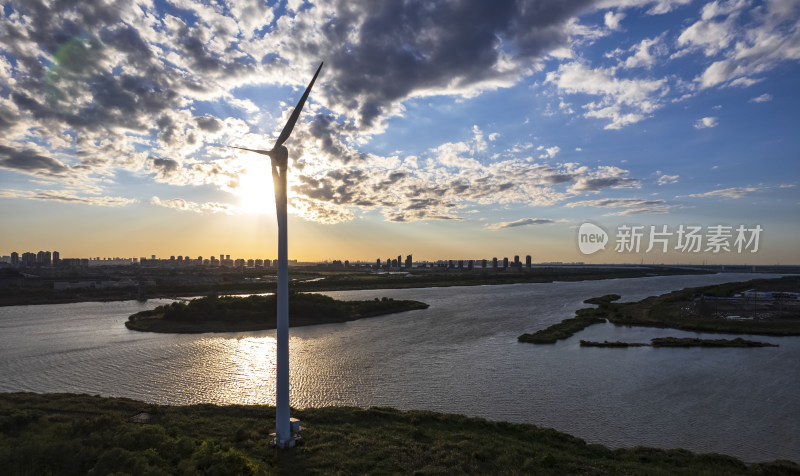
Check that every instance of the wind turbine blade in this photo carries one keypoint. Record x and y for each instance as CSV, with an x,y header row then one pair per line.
x,y
287,129
257,151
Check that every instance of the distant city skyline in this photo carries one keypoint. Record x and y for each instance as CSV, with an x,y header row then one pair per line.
x,y
475,129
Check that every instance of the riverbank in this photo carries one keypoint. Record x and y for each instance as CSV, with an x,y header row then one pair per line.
x,y
681,342
690,309
82,434
198,282
255,313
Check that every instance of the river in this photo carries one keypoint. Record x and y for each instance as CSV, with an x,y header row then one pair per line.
x,y
459,356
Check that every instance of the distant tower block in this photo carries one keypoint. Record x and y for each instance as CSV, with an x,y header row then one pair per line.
x,y
378,263
494,263
516,260
528,262
505,263
408,263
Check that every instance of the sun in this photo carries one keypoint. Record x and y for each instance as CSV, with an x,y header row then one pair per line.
x,y
255,188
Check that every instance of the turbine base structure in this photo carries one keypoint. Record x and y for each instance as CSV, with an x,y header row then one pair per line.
x,y
291,441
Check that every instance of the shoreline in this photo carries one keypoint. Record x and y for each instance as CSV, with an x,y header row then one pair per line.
x,y
258,313
673,310
31,296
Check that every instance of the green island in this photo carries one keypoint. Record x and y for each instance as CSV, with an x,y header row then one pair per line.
x,y
253,313
681,342
568,327
70,434
700,309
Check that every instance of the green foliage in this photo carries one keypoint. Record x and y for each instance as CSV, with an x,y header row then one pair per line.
x,y
78,434
602,300
230,313
670,311
695,342
564,329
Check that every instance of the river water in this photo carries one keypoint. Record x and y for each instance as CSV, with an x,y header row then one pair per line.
x,y
459,356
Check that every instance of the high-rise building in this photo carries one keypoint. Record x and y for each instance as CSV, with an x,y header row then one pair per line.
x,y
516,260
378,263
43,258
14,258
28,259
408,262
494,263
56,258
505,263
528,262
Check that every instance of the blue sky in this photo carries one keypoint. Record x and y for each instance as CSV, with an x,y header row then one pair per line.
x,y
450,130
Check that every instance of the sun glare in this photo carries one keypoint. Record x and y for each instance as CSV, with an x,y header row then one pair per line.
x,y
255,188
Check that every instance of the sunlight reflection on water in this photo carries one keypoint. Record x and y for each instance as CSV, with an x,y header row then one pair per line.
x,y
459,356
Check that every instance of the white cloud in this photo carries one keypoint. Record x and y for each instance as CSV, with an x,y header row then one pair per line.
x,y
706,122
613,19
629,206
646,52
733,192
66,196
621,101
750,41
763,98
549,152
189,206
668,179
523,222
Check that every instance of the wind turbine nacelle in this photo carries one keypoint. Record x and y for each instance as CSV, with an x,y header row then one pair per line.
x,y
280,157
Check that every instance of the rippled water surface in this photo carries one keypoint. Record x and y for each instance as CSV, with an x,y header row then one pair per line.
x,y
459,356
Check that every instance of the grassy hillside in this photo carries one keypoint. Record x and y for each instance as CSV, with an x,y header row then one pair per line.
x,y
81,434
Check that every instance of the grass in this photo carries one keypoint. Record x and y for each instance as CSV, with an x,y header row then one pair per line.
x,y
80,434
568,327
677,310
681,342
229,313
694,342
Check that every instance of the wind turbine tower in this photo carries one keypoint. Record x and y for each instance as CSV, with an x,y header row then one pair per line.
x,y
279,157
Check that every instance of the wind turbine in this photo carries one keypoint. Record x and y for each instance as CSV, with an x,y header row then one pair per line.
x,y
279,156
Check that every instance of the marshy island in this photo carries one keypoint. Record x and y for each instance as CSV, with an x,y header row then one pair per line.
x,y
769,307
258,312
